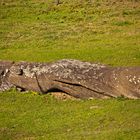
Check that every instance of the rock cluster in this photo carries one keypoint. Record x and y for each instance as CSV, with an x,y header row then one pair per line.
x,y
73,77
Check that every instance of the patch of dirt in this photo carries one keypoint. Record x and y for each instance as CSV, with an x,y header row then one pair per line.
x,y
62,96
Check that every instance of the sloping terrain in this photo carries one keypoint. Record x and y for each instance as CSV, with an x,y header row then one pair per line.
x,y
105,31
29,116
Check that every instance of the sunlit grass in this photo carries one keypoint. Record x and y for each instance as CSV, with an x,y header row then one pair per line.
x,y
26,116
38,30
105,32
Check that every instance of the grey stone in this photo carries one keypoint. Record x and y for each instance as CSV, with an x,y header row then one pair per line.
x,y
73,77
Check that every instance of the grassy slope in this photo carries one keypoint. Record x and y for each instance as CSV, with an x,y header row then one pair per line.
x,y
36,30
43,117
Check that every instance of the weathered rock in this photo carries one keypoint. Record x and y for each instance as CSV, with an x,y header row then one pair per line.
x,y
75,78
4,74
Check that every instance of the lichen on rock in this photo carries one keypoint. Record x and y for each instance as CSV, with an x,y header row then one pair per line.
x,y
75,78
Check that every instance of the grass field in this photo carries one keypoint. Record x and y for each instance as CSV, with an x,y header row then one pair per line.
x,y
38,30
105,31
29,117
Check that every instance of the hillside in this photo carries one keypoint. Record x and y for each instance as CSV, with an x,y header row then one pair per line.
x,y
105,31
101,31
35,117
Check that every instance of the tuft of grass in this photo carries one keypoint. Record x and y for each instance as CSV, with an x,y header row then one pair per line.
x,y
122,23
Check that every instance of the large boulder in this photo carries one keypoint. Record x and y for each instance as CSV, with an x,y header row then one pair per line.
x,y
73,77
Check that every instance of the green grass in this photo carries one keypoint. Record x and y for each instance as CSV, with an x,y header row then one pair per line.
x,y
29,116
104,31
38,30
